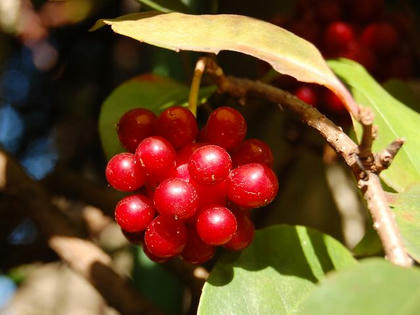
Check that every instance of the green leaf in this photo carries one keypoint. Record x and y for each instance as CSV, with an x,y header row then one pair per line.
x,y
286,52
374,287
369,245
407,211
147,91
402,92
274,274
166,5
393,119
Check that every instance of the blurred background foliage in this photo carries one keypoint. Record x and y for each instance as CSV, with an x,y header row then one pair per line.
x,y
54,76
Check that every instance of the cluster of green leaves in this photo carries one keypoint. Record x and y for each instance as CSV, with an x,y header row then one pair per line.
x,y
285,268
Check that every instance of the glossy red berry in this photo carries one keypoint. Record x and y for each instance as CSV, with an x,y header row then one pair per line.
x,y
332,101
134,237
244,233
196,251
337,36
176,197
134,213
124,173
178,125
307,94
134,126
180,172
360,53
156,155
253,151
226,127
152,257
184,154
165,237
216,225
211,194
381,38
209,164
252,185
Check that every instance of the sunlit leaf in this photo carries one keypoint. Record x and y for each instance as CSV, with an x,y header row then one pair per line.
x,y
407,211
393,119
274,274
286,52
374,287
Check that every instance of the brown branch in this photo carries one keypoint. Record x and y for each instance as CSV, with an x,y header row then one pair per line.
x,y
365,147
367,178
81,255
384,159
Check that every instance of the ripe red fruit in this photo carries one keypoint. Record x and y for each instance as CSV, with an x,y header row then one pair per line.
x,y
124,173
181,172
156,155
382,38
307,94
134,213
178,125
253,151
152,257
244,233
332,101
252,185
165,237
226,127
196,251
359,53
337,36
209,164
176,197
184,154
134,237
211,194
134,126
216,225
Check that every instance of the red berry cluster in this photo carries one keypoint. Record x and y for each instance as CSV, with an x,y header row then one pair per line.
x,y
189,196
360,30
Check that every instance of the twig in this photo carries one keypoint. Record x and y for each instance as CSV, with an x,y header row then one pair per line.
x,y
384,159
195,86
83,256
365,147
367,178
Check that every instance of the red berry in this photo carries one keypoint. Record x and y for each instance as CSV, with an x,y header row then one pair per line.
x,y
165,237
176,197
359,53
226,127
134,237
124,173
332,101
134,213
134,126
156,155
184,154
307,94
337,36
252,185
181,172
178,125
209,164
382,38
253,151
216,225
244,233
196,251
211,194
152,257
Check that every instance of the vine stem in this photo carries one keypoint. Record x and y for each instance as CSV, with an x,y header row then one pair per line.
x,y
365,171
195,86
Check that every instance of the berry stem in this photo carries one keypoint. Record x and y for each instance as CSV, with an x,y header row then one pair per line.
x,y
195,86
